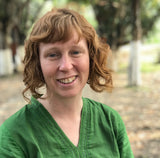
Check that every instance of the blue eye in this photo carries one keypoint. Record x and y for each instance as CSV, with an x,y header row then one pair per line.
x,y
53,55
75,52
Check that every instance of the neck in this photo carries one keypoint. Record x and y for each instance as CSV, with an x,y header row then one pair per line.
x,y
64,107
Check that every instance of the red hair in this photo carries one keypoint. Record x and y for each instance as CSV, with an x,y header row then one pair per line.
x,y
57,25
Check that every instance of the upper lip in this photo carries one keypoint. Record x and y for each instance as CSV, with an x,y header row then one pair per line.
x,y
66,77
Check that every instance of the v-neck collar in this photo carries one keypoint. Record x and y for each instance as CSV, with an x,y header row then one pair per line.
x,y
49,122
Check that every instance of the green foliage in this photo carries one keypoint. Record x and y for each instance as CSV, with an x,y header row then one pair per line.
x,y
149,15
20,14
81,1
150,67
146,67
59,3
114,18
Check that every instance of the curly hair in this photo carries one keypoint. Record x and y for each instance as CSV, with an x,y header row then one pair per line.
x,y
57,25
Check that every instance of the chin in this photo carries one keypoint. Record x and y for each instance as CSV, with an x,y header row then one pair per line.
x,y
70,94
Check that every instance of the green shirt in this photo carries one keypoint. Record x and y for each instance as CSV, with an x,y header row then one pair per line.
x,y
33,133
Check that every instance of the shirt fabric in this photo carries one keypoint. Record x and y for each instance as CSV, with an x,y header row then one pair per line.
x,y
33,133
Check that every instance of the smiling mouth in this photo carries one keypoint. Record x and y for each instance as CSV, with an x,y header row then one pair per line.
x,y
67,80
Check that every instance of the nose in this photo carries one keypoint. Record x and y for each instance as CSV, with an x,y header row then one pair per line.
x,y
65,63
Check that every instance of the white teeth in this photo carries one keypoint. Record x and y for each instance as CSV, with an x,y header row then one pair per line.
x,y
67,80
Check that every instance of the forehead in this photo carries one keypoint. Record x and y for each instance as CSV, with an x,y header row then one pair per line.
x,y
75,40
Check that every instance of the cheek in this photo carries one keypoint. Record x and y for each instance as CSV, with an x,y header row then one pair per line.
x,y
47,69
84,66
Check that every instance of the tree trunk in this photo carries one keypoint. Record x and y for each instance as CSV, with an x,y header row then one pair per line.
x,y
6,66
134,76
3,36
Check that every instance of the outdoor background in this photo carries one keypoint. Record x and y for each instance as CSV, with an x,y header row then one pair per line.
x,y
132,29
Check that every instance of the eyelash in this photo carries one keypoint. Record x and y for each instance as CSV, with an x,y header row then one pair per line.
x,y
58,54
52,55
75,52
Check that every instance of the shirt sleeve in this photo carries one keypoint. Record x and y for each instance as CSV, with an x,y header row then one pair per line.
x,y
8,146
122,138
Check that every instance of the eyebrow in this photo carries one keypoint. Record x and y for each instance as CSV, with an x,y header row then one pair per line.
x,y
51,49
59,48
77,47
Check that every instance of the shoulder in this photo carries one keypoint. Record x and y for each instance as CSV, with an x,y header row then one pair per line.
x,y
20,131
107,115
17,128
15,118
10,132
20,120
101,108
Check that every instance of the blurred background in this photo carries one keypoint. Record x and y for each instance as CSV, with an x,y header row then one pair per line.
x,y
132,29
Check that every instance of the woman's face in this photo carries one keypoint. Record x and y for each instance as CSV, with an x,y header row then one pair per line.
x,y
65,66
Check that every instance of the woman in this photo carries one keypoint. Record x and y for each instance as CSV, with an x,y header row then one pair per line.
x,y
62,54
